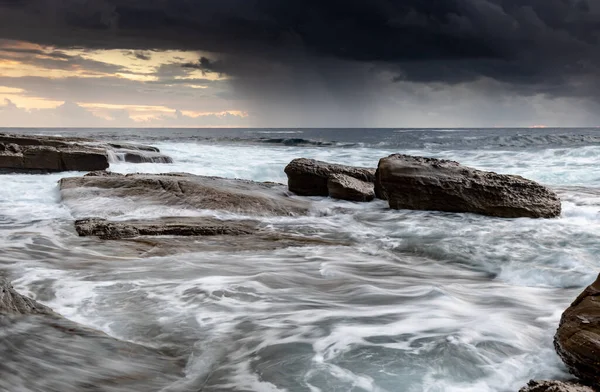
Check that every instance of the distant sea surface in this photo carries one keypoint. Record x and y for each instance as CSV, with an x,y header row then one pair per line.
x,y
417,301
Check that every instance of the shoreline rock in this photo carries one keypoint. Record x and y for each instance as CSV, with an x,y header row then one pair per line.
x,y
555,386
309,177
343,187
13,303
419,183
49,154
175,226
577,339
187,191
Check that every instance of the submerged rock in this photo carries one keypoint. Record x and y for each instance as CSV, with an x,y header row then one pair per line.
x,y
577,340
187,191
175,226
309,177
43,351
341,186
555,386
419,183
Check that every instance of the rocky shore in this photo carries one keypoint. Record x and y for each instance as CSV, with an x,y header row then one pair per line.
x,y
46,154
405,182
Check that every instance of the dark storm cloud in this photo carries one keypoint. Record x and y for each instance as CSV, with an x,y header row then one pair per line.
x,y
547,46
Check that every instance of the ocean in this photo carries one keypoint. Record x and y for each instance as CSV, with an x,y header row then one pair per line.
x,y
414,301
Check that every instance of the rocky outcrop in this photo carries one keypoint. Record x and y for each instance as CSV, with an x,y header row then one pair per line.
x,y
175,226
577,340
13,303
45,154
418,183
38,347
187,191
15,158
341,186
134,153
309,177
144,157
555,386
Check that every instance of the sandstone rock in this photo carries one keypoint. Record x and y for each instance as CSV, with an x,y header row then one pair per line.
x,y
52,159
341,186
45,154
187,191
13,303
145,157
175,226
309,177
555,386
577,340
133,147
419,183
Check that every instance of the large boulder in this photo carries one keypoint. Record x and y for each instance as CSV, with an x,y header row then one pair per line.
x,y
419,183
186,191
309,177
341,186
577,340
555,386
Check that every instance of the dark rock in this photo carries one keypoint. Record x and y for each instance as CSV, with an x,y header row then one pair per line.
x,y
577,340
13,303
36,140
555,386
419,183
83,159
52,159
45,154
341,186
145,157
49,154
175,226
133,147
309,177
188,191
14,148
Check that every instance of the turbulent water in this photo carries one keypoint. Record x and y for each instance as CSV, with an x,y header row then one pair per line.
x,y
416,301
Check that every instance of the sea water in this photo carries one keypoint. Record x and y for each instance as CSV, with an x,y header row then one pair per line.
x,y
413,301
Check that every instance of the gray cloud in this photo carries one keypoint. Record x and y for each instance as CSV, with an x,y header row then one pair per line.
x,y
339,62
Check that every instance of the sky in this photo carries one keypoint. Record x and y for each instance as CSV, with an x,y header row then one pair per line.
x,y
299,63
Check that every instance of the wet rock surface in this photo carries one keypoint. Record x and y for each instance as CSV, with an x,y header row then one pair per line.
x,y
46,154
555,386
341,186
419,183
187,191
176,226
13,303
577,340
309,177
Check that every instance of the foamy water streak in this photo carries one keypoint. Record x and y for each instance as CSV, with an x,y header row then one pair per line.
x,y
418,301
